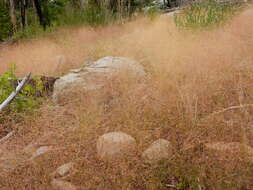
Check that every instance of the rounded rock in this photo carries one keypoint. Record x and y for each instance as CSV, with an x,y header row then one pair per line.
x,y
158,150
115,145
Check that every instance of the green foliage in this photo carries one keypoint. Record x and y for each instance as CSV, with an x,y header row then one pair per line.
x,y
26,99
97,15
6,86
153,12
57,9
29,32
91,14
61,13
205,14
5,24
142,3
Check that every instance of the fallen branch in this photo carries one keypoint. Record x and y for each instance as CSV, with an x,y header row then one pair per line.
x,y
169,10
7,137
171,186
15,92
227,109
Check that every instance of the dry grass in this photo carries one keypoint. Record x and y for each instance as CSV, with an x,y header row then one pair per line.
x,y
192,76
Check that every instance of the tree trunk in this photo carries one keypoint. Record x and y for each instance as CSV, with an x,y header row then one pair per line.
x,y
129,7
26,8
120,9
40,14
46,12
23,13
83,3
13,16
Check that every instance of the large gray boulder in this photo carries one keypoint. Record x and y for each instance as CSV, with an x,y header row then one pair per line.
x,y
115,146
94,76
158,150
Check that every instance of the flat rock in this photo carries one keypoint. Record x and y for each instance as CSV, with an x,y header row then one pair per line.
x,y
64,169
115,145
158,150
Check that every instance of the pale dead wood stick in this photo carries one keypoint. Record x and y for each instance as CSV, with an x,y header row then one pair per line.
x,y
7,136
228,109
15,92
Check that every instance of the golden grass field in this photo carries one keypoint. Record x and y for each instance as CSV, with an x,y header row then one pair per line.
x,y
194,76
158,42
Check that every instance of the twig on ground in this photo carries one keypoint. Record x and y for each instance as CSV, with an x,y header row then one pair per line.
x,y
227,109
7,136
169,185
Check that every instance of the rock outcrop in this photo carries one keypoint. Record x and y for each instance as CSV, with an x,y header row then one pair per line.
x,y
94,76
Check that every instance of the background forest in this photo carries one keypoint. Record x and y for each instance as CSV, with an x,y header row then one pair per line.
x,y
25,17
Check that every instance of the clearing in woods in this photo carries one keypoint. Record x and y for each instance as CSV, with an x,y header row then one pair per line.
x,y
194,74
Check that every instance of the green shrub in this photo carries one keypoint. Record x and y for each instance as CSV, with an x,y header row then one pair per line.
x,y
153,12
90,15
205,14
26,99
29,32
97,15
66,15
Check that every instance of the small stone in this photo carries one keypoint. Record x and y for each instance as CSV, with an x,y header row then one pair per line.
x,y
158,150
64,169
40,151
115,145
62,185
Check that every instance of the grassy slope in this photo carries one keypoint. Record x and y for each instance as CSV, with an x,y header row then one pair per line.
x,y
194,75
